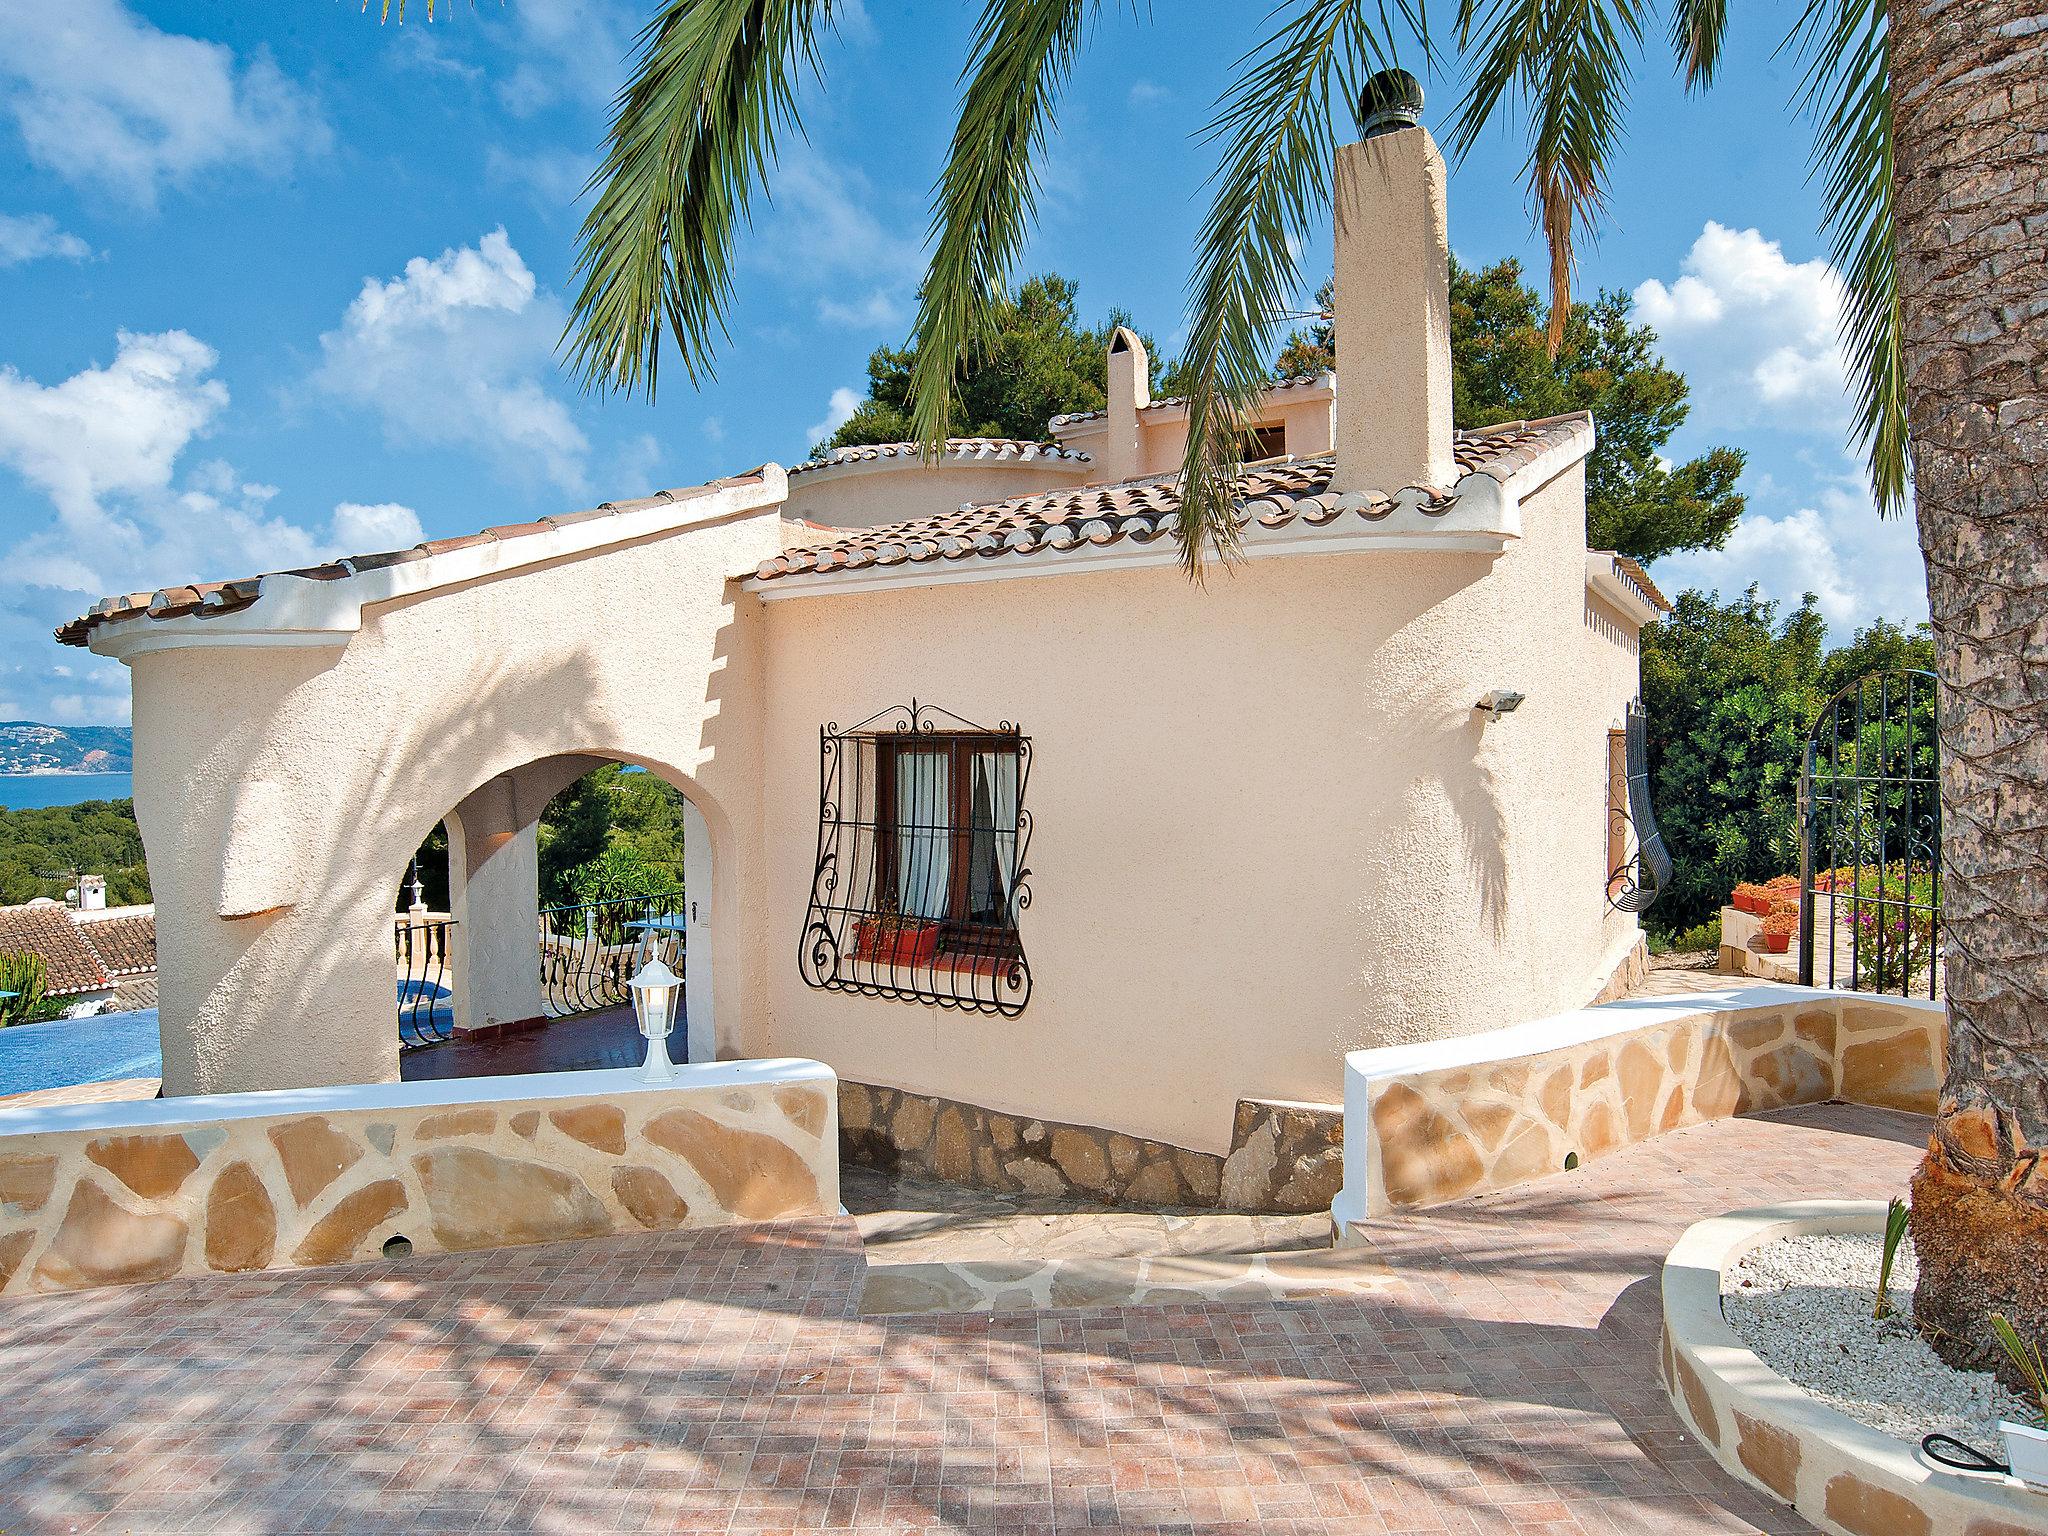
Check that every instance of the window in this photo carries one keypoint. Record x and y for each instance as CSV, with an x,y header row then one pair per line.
x,y
1265,443
920,878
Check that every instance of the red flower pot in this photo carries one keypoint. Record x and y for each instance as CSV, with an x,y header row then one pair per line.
x,y
898,941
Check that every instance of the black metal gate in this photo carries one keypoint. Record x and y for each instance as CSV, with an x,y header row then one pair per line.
x,y
1870,839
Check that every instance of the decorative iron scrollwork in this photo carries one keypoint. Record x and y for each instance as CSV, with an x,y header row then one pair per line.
x,y
920,875
1645,869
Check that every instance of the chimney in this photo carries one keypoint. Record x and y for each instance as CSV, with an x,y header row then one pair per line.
x,y
1393,306
1130,391
92,893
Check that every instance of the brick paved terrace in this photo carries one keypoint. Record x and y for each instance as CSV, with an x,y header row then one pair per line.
x,y
1503,1379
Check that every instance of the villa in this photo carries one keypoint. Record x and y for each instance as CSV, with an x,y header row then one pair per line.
x,y
1300,902
1078,873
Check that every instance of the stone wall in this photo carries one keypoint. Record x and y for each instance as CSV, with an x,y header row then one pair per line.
x,y
96,1195
1456,1118
1285,1158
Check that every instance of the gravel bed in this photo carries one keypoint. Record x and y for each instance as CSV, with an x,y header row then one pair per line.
x,y
1804,1304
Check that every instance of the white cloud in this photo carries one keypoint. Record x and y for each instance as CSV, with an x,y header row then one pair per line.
x,y
460,350
1756,335
33,236
361,530
110,447
568,50
1858,566
103,97
838,412
555,177
825,234
1148,93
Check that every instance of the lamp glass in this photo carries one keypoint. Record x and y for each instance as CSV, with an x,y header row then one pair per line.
x,y
656,991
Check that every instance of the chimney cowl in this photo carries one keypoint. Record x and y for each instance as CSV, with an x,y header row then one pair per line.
x,y
1391,100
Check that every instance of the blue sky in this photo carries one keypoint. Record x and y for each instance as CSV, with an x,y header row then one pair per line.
x,y
279,283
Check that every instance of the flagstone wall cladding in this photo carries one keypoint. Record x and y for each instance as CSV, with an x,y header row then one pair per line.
x,y
113,1206
1445,1134
1285,1158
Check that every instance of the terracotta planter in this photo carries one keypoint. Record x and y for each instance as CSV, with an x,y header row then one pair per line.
x,y
895,942
1757,905
1776,943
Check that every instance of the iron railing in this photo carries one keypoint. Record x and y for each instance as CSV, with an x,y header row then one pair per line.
x,y
589,950
922,834
422,947
1870,838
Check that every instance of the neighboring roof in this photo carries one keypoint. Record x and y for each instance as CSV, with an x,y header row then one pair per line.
x,y
209,598
1011,450
124,944
1172,402
45,928
1272,496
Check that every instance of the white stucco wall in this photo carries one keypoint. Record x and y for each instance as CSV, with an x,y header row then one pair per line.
x,y
640,652
1270,827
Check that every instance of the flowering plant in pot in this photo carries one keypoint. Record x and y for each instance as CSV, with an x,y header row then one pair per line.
x,y
1750,898
888,937
1778,930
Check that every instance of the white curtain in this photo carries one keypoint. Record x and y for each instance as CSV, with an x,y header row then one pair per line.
x,y
994,861
924,841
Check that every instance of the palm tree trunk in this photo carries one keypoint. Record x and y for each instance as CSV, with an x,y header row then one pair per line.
x,y
1970,94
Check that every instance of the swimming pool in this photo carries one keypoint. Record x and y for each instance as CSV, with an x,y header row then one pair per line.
x,y
61,1052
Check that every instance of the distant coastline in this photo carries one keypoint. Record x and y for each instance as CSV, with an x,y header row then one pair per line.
x,y
62,773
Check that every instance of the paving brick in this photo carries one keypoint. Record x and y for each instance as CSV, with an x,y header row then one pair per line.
x,y
723,1381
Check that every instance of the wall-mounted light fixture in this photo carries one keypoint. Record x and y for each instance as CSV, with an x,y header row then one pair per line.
x,y
1502,701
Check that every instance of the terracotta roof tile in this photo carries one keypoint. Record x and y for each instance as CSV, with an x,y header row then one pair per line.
x,y
124,945
1014,450
46,929
1073,418
212,597
1270,495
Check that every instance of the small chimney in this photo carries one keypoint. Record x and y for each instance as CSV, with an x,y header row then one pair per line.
x,y
92,893
1130,391
1393,308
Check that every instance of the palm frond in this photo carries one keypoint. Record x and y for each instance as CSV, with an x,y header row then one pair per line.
x,y
1848,90
1279,150
1698,28
691,140
386,8
1566,64
1022,53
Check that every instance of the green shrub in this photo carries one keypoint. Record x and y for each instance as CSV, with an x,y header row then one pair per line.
x,y
24,976
1687,941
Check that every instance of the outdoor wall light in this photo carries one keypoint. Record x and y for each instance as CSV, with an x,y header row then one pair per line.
x,y
1502,701
656,991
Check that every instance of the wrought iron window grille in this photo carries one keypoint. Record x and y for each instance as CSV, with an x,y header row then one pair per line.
x,y
1645,869
922,835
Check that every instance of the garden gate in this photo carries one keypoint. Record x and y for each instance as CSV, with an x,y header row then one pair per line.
x,y
1870,838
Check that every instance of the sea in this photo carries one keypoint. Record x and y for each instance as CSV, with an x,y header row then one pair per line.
x,y
32,791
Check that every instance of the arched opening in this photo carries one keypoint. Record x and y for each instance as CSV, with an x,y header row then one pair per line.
x,y
521,918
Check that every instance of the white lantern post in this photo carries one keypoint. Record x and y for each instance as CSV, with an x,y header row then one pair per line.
x,y
656,992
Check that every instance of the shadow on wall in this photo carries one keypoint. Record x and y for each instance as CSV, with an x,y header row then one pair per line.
x,y
429,756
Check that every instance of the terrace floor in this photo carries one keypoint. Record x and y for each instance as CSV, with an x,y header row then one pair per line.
x,y
1502,1379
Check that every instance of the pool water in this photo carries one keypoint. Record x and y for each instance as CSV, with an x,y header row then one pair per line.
x,y
61,1052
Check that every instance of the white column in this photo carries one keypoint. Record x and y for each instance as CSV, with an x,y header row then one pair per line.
x,y
494,897
702,1030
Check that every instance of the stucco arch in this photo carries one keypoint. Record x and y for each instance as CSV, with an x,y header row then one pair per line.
x,y
285,775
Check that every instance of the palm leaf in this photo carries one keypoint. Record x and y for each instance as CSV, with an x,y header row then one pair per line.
x,y
691,140
1698,28
1566,64
1279,150
1848,89
1022,53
